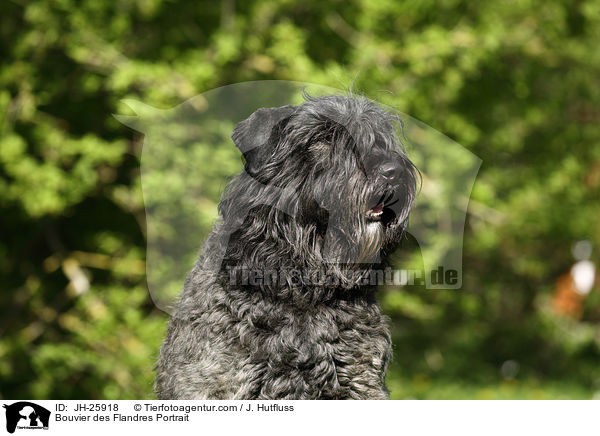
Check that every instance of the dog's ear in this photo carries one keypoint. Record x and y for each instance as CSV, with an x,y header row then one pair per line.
x,y
254,132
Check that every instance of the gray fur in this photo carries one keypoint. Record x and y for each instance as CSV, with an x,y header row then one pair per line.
x,y
312,173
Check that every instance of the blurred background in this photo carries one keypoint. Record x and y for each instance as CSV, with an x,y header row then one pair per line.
x,y
514,82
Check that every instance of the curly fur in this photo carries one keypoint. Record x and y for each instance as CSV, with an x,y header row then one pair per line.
x,y
312,173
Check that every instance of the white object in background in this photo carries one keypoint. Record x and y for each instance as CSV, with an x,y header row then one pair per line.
x,y
583,273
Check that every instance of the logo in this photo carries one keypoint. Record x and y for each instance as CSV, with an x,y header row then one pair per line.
x,y
26,415
196,129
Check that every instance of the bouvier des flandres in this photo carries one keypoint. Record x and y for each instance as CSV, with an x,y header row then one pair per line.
x,y
281,304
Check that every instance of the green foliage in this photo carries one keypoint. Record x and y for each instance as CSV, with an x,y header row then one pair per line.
x,y
515,83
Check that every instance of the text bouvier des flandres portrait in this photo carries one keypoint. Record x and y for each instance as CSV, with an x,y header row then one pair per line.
x,y
281,304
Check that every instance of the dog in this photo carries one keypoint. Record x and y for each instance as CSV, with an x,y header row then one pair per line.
x,y
327,187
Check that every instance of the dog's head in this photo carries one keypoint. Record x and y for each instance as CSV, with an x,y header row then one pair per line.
x,y
342,158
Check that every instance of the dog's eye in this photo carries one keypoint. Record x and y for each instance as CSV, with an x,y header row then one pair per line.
x,y
320,149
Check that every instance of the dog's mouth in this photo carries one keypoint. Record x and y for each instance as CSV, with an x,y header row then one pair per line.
x,y
375,213
382,211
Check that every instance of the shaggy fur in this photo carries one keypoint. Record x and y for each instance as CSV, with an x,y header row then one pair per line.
x,y
327,188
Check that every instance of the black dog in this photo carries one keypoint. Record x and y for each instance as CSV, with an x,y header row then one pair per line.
x,y
279,305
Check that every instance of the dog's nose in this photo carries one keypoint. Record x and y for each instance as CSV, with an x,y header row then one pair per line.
x,y
390,171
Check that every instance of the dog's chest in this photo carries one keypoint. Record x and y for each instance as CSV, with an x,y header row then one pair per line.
x,y
331,352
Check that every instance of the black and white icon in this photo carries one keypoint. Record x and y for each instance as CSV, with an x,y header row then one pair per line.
x,y
26,416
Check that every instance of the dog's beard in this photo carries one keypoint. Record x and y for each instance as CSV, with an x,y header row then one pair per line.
x,y
360,242
371,242
351,234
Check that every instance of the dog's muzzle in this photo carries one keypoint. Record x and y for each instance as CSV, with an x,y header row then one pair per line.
x,y
381,208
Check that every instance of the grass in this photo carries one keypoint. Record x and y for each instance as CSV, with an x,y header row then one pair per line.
x,y
424,387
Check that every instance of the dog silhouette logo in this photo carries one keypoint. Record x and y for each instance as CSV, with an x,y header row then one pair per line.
x,y
26,415
181,201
